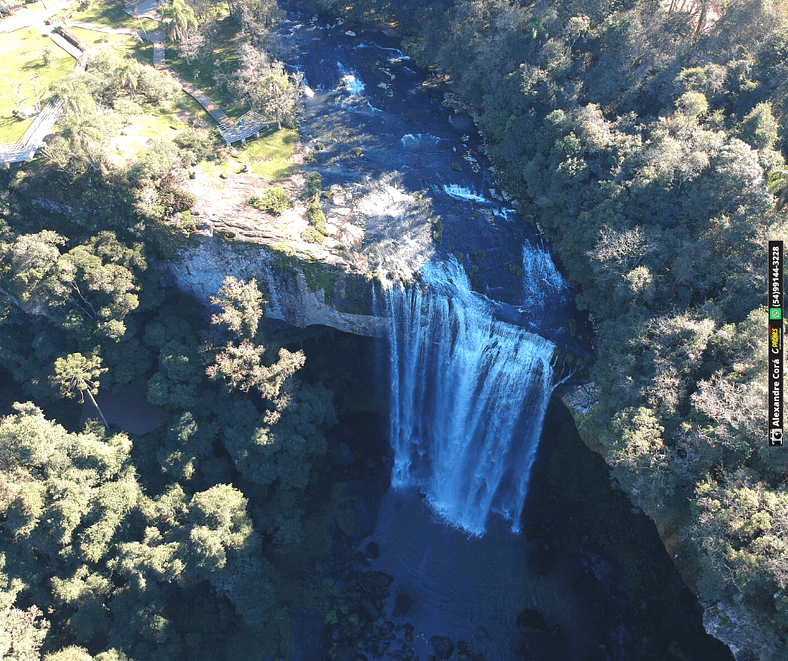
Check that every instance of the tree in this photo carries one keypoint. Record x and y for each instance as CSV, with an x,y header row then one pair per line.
x,y
192,44
177,382
181,17
256,16
209,538
31,276
134,4
101,276
188,443
71,653
279,94
76,97
75,372
279,452
242,306
19,97
241,365
242,368
778,186
759,128
86,130
265,85
22,633
130,75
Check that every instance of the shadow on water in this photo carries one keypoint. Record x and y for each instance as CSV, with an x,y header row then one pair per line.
x,y
588,579
473,589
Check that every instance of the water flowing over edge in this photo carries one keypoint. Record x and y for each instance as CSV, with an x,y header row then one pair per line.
x,y
543,285
468,398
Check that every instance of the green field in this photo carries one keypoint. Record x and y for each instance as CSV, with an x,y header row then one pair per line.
x,y
22,61
267,156
123,44
111,14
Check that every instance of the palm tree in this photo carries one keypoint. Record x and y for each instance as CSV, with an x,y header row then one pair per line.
x,y
130,75
75,372
181,18
76,97
778,186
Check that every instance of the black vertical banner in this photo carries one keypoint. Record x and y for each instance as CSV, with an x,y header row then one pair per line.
x,y
775,343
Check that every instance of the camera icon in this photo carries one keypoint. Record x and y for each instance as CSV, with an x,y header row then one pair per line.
x,y
775,437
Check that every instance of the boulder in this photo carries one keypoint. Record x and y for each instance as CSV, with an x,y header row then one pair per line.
x,y
541,560
462,122
376,581
344,455
531,620
402,605
443,646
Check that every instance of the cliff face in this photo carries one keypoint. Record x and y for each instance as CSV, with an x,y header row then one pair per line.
x,y
297,291
727,622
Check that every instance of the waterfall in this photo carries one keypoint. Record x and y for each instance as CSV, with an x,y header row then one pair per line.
x,y
468,397
543,285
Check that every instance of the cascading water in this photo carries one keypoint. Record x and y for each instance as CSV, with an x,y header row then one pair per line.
x,y
543,285
469,395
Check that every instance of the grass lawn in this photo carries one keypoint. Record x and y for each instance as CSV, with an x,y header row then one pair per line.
x,y
266,156
158,124
124,45
166,125
111,14
21,61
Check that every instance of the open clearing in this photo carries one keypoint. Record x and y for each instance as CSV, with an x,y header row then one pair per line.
x,y
22,67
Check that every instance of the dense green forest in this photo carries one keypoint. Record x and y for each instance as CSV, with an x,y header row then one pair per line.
x,y
645,138
188,542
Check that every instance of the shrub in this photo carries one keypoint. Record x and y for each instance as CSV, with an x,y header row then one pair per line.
x,y
314,185
175,199
196,144
437,231
275,200
311,235
316,217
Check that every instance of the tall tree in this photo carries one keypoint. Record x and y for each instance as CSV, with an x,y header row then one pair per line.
x,y
778,186
265,85
181,17
242,306
77,373
242,366
22,633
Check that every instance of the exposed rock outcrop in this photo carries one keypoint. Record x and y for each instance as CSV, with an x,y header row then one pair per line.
x,y
297,291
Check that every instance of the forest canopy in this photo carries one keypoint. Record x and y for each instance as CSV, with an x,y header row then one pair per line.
x,y
170,545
